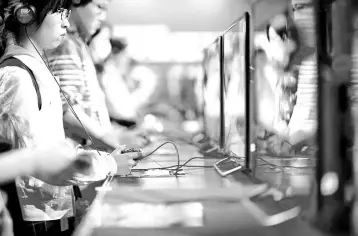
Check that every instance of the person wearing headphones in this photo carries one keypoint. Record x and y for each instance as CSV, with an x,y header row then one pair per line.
x,y
73,64
31,116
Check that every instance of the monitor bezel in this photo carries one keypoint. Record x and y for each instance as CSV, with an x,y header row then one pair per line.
x,y
218,40
247,66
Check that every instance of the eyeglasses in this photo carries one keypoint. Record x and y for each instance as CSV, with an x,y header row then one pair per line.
x,y
65,13
101,7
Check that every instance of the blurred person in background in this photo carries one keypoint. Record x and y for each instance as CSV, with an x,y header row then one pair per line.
x,y
174,76
72,63
100,47
276,87
235,93
128,85
126,108
188,96
212,91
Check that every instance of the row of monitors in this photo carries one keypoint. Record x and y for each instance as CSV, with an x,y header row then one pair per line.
x,y
225,102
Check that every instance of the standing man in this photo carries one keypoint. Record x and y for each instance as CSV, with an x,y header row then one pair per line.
x,y
73,64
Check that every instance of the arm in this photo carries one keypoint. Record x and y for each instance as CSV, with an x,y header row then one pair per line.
x,y
59,167
18,126
102,139
42,162
10,166
106,164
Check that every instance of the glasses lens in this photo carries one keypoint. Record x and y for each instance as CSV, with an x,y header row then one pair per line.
x,y
65,14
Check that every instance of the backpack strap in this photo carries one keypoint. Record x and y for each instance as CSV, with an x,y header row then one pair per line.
x,y
13,61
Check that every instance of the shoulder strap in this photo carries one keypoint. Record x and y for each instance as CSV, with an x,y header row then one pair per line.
x,y
12,61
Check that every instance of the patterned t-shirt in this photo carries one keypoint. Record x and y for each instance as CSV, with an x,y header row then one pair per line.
x,y
24,125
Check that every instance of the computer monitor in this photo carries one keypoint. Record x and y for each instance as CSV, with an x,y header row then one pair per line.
x,y
236,44
212,92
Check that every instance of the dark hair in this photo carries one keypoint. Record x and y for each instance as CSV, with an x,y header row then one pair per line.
x,y
81,3
117,45
10,25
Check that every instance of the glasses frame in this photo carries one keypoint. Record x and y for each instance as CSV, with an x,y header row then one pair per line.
x,y
65,13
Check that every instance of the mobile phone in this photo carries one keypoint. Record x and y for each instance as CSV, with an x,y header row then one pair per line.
x,y
227,166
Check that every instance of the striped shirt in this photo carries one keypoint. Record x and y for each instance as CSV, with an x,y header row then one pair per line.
x,y
71,62
305,112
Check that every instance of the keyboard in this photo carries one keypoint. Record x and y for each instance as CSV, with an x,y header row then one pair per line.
x,y
270,212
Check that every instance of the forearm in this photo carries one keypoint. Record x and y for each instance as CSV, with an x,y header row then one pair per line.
x,y
23,163
121,110
94,129
102,165
16,163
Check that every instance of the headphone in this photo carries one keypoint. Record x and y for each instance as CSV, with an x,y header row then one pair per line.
x,y
24,13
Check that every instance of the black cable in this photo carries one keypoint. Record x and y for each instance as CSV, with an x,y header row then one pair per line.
x,y
285,141
161,145
185,163
270,164
193,158
67,100
281,167
180,166
191,166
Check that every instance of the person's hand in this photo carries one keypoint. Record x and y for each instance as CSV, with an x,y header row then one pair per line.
x,y
125,161
278,145
120,136
132,139
50,160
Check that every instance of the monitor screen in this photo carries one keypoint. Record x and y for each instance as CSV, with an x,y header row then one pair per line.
x,y
236,55
211,90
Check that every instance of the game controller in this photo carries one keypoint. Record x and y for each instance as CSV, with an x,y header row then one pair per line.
x,y
128,150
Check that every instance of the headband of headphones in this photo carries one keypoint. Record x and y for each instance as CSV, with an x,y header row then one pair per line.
x,y
24,13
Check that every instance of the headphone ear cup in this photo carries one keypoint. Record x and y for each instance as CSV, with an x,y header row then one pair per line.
x,y
25,14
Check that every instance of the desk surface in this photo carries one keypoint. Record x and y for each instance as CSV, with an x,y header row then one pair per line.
x,y
220,218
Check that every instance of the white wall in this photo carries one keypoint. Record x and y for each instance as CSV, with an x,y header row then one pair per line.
x,y
190,15
179,15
